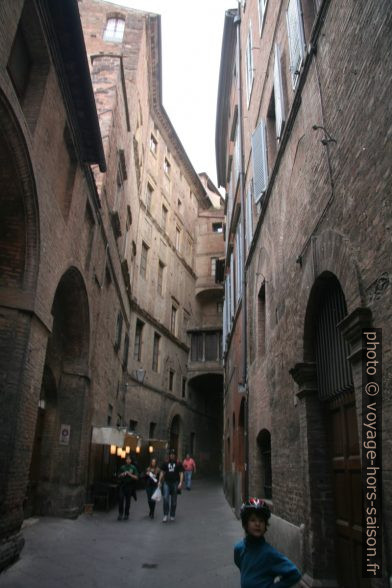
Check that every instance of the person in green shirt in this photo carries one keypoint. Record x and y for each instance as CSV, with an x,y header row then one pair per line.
x,y
127,477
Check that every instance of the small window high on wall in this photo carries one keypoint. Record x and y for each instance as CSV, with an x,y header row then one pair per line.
x,y
114,30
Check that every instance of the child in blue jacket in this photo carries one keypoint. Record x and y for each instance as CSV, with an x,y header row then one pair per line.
x,y
259,563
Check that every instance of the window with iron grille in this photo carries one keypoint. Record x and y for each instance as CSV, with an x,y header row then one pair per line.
x,y
155,352
137,349
143,260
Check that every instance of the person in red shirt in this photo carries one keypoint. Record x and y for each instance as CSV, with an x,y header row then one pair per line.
x,y
189,466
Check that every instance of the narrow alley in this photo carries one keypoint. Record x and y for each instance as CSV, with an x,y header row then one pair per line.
x,y
97,551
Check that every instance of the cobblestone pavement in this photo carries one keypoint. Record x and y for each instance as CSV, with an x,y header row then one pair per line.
x,y
97,551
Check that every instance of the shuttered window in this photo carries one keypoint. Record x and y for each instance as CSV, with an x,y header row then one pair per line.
x,y
249,64
238,258
296,38
249,217
278,93
259,157
262,8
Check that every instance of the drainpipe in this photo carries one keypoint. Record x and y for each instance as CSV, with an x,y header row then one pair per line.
x,y
243,384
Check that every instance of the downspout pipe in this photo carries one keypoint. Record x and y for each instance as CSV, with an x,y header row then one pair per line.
x,y
243,384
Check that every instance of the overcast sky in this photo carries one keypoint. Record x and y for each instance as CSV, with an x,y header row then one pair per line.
x,y
191,48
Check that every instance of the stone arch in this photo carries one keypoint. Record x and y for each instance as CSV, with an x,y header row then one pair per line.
x,y
327,253
61,485
19,225
264,469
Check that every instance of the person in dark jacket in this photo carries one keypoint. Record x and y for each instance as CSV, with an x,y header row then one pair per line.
x,y
171,476
152,478
261,565
127,477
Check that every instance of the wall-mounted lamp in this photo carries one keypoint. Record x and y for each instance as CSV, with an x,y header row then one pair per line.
x,y
150,448
119,451
127,449
113,449
137,449
123,454
137,375
327,139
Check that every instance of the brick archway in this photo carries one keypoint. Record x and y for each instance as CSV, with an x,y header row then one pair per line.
x,y
20,332
62,475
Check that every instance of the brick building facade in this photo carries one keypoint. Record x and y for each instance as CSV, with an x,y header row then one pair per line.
x,y
302,148
100,213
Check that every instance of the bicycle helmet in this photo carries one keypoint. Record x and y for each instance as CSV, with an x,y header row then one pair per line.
x,y
254,506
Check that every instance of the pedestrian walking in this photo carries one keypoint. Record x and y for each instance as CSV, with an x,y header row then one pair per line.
x,y
152,479
171,477
189,466
127,478
260,564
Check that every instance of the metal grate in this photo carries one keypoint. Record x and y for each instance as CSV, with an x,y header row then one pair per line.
x,y
333,369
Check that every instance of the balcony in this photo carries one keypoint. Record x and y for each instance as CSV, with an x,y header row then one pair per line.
x,y
207,287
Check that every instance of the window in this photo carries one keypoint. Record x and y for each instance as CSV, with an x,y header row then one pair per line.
x,y
155,352
166,166
110,414
205,346
161,268
28,64
197,347
262,9
173,321
217,227
179,206
296,39
278,94
143,260
126,351
151,430
238,259
219,307
261,319
132,425
213,266
153,145
114,30
211,346
117,336
164,217
264,443
149,193
178,238
259,158
183,391
249,64
171,380
19,64
137,349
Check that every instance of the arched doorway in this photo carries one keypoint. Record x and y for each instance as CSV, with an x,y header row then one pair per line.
x,y
59,464
333,444
20,334
175,433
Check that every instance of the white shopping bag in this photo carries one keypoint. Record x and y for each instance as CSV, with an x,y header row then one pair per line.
x,y
157,496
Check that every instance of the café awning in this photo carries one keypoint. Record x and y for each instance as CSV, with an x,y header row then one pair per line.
x,y
118,436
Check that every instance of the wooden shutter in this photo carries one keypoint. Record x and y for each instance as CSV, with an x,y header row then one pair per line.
x,y
249,64
249,216
278,93
296,38
259,157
